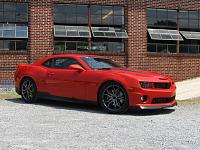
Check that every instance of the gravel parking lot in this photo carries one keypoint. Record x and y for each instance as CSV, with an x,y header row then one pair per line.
x,y
60,125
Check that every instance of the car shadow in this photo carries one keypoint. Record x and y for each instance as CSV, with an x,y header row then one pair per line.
x,y
91,107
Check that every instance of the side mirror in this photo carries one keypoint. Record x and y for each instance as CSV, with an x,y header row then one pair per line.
x,y
76,67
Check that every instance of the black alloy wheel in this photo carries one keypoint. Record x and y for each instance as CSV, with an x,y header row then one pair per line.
x,y
113,98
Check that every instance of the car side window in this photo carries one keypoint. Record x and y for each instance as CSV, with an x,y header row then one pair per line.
x,y
63,63
47,63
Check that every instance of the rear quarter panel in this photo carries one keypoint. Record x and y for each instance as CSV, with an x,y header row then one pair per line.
x,y
37,73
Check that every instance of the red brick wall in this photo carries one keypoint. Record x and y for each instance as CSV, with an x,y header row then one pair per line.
x,y
178,66
41,38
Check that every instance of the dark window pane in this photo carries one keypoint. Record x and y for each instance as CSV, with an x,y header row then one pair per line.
x,y
9,45
98,46
9,33
71,9
1,33
193,24
172,14
107,19
71,18
21,17
96,19
151,13
193,49
9,6
22,7
1,45
21,27
60,12
107,10
119,20
162,17
82,46
60,18
95,10
193,14
118,10
82,19
183,14
1,6
21,34
82,9
9,17
109,46
59,46
70,46
172,22
152,21
118,46
161,14
183,49
21,45
172,48
162,48
151,47
12,45
1,16
60,9
162,22
184,23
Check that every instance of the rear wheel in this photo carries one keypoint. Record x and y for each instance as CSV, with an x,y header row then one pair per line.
x,y
113,98
28,90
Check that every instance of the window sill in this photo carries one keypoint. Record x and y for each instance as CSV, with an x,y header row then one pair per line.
x,y
19,52
92,52
172,54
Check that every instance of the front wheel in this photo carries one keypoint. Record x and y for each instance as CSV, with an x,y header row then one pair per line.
x,y
113,98
28,91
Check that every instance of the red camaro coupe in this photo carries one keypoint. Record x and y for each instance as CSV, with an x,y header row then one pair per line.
x,y
96,79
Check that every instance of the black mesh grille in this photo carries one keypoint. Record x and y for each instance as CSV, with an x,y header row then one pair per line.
x,y
162,100
163,85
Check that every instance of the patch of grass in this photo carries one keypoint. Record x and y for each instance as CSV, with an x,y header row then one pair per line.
x,y
189,101
8,95
13,95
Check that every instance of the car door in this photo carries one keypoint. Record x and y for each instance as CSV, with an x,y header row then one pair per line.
x,y
61,79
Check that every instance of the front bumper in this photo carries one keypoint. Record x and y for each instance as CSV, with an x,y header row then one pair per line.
x,y
152,107
156,98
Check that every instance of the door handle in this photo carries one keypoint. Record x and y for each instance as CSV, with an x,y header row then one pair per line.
x,y
50,74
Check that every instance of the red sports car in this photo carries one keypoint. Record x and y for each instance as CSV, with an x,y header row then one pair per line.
x,y
96,79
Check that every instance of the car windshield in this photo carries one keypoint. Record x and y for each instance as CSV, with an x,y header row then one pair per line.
x,y
100,63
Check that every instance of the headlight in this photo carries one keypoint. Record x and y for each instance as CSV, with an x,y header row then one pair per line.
x,y
147,85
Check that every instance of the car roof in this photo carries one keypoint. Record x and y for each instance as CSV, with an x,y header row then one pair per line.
x,y
64,55
73,55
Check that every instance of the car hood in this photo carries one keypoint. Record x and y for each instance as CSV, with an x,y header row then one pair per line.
x,y
140,75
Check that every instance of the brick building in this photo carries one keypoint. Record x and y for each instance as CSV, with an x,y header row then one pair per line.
x,y
157,35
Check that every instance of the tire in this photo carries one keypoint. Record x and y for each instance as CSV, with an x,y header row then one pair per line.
x,y
113,98
28,90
